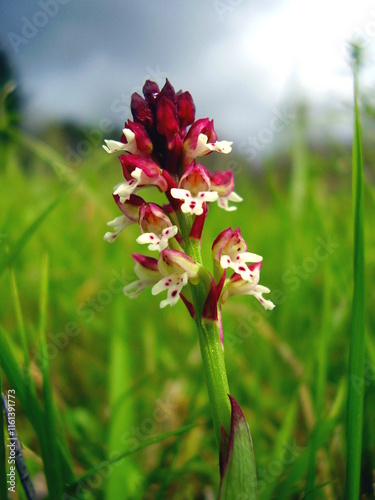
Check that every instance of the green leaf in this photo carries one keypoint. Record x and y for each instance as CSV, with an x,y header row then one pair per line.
x,y
238,471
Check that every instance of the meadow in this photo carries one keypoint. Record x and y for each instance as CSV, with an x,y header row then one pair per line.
x,y
110,392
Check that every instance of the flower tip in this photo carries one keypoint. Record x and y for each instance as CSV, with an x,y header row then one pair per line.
x,y
225,146
109,237
106,148
267,304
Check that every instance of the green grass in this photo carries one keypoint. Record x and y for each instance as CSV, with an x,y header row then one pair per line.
x,y
357,333
119,376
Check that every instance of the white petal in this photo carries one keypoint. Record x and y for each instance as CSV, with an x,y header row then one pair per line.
x,y
169,232
148,238
225,261
257,292
162,245
250,257
135,288
113,146
174,284
121,221
180,194
234,197
203,147
131,146
192,206
223,203
137,174
110,237
220,146
174,291
118,225
125,189
239,267
242,269
208,196
163,284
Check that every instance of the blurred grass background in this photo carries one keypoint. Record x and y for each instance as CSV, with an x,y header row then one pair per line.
x,y
123,371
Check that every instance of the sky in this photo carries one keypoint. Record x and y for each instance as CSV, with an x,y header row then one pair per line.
x,y
246,63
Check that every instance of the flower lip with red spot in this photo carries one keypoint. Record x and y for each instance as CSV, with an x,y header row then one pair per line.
x,y
229,249
156,227
194,189
150,172
238,286
177,269
201,140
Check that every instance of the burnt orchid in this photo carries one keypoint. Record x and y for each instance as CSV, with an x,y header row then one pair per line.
x,y
160,148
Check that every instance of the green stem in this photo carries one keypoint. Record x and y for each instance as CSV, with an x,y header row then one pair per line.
x,y
216,375
209,340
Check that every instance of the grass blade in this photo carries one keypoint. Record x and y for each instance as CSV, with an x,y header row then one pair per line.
x,y
144,444
122,411
321,381
9,258
357,333
51,461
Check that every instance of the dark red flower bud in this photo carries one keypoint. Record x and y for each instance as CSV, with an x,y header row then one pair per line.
x,y
150,91
168,92
141,112
185,110
167,121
